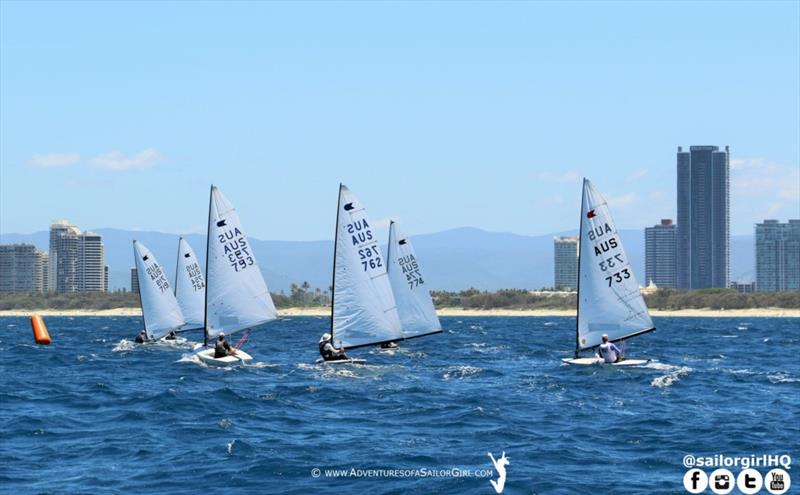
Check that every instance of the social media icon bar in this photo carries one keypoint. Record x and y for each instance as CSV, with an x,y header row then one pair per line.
x,y
721,481
695,481
749,481
777,481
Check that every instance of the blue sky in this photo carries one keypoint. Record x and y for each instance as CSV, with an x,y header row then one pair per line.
x,y
439,115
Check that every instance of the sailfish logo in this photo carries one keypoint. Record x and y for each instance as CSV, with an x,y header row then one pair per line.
x,y
500,466
590,214
348,206
187,255
402,242
145,258
221,223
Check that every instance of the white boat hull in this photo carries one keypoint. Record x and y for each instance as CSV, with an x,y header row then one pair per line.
x,y
207,356
342,361
589,361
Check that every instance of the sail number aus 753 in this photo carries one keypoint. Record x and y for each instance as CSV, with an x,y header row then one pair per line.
x,y
618,277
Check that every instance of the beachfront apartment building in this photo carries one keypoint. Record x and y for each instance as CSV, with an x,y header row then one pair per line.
x,y
565,251
660,262
134,280
77,260
23,269
778,256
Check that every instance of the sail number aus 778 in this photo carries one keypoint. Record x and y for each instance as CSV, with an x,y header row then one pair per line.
x,y
618,277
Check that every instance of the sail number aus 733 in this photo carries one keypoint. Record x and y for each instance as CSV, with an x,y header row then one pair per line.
x,y
611,262
618,277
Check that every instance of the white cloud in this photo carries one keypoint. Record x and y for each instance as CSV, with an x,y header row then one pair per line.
x,y
116,161
624,200
568,176
54,159
638,175
756,177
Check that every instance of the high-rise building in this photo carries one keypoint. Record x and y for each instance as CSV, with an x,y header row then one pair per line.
x,y
778,256
566,262
63,262
134,281
91,263
105,278
22,268
659,247
77,260
703,234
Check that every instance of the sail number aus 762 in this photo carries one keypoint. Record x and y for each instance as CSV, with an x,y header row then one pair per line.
x,y
618,277
370,258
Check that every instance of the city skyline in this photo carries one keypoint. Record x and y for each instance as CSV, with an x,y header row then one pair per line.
x,y
286,102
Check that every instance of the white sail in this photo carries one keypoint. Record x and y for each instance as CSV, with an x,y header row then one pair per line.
x,y
236,294
364,310
608,292
190,286
160,310
414,303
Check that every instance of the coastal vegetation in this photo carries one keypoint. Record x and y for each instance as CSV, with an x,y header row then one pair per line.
x,y
302,295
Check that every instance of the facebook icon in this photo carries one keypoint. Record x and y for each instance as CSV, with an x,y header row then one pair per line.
x,y
695,481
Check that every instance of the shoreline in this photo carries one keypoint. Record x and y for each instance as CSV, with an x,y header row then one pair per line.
x,y
326,312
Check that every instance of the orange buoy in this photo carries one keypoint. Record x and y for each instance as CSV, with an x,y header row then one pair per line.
x,y
40,334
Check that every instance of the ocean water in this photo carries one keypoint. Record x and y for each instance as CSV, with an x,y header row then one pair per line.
x,y
94,414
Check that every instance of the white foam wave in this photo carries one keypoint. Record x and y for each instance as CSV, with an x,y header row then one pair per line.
x,y
782,377
460,372
670,378
124,345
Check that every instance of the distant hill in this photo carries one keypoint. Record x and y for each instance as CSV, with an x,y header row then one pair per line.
x,y
452,260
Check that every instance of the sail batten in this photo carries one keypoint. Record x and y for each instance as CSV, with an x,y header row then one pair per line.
x,y
609,300
160,309
364,310
237,296
413,299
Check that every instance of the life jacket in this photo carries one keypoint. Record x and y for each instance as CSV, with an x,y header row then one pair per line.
x,y
326,354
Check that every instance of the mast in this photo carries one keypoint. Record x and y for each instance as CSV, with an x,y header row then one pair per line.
x,y
208,243
389,247
578,307
144,320
335,245
177,267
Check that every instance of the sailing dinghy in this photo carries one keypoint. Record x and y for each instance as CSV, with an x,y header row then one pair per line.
x,y
236,296
160,310
609,300
414,304
190,287
363,307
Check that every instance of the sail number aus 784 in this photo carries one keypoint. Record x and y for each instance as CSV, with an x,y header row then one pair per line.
x,y
618,277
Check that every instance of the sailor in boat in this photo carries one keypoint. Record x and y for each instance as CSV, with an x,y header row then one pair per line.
x,y
328,352
389,345
142,337
223,348
171,336
609,352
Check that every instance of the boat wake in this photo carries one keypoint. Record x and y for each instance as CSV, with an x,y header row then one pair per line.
x,y
460,372
674,374
124,346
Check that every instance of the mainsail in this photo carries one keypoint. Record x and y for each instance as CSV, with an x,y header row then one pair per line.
x,y
236,294
414,303
609,300
190,287
364,311
160,310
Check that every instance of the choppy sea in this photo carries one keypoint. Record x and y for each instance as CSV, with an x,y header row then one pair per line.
x,y
93,413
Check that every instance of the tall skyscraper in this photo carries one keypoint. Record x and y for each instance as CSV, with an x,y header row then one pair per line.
x,y
660,261
91,263
63,262
565,251
703,237
778,256
77,260
134,281
22,268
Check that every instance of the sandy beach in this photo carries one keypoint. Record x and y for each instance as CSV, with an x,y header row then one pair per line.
x,y
708,313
